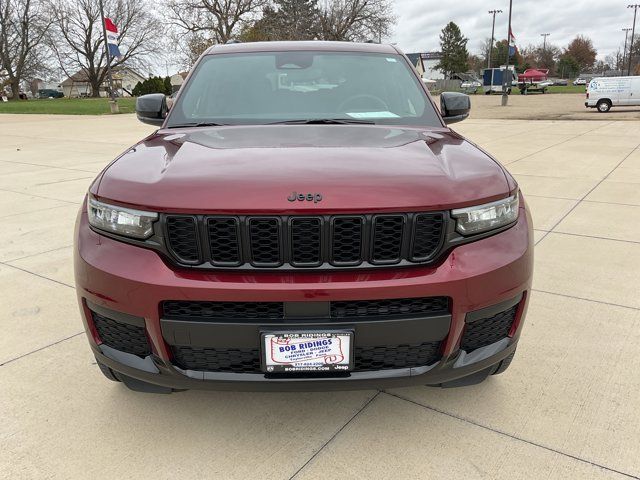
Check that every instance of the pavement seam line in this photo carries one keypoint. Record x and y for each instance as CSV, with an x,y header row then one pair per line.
x,y
585,299
43,166
589,192
40,196
8,262
11,360
62,181
561,143
317,452
558,232
37,275
510,435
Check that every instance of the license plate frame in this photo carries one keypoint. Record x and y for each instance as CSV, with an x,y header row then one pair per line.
x,y
311,351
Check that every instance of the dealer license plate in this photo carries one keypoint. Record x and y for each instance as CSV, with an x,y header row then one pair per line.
x,y
307,351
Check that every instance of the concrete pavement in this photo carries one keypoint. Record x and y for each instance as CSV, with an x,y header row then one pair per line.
x,y
567,407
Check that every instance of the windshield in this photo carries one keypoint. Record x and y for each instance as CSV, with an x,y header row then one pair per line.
x,y
281,87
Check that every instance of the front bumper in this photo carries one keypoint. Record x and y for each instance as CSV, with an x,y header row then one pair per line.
x,y
132,281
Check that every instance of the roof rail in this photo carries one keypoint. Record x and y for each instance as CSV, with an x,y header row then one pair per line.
x,y
232,40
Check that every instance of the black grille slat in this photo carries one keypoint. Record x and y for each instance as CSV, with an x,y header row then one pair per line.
x,y
427,235
395,306
306,234
182,234
387,239
247,360
297,242
230,360
396,356
182,309
485,331
122,336
339,309
346,245
265,241
224,240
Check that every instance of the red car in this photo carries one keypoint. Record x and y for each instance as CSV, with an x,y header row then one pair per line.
x,y
303,218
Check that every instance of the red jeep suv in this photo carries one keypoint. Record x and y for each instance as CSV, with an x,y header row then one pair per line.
x,y
303,218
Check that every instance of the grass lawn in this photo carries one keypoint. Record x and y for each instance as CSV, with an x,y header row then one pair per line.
x,y
67,106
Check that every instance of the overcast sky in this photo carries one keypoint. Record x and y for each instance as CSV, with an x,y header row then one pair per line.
x,y
420,21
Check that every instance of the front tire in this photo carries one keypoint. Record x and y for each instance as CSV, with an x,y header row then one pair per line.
x,y
603,106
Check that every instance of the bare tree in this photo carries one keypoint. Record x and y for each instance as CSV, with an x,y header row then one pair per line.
x,y
79,44
217,20
356,20
23,25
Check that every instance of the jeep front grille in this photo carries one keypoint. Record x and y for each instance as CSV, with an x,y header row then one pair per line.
x,y
304,242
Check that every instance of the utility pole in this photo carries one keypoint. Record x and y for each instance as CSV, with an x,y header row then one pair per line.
x,y
506,77
544,42
624,52
114,102
633,33
493,30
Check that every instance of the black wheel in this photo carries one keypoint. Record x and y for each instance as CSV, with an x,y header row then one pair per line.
x,y
504,364
107,372
603,106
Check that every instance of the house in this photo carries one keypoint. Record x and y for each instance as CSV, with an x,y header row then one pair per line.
x,y
124,79
425,64
177,80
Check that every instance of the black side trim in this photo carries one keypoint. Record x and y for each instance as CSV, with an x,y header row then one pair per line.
x,y
117,316
492,310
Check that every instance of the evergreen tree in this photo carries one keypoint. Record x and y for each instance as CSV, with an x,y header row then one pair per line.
x,y
286,20
454,50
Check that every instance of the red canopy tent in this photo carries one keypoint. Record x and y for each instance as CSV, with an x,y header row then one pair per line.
x,y
532,75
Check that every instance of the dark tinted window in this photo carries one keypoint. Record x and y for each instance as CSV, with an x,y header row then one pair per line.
x,y
256,88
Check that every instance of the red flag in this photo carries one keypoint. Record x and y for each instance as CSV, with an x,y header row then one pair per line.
x,y
110,26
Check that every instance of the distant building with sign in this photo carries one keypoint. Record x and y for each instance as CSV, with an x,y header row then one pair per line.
x,y
425,64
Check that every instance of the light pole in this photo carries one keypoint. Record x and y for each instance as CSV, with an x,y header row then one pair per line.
x,y
493,30
544,42
633,33
624,52
506,78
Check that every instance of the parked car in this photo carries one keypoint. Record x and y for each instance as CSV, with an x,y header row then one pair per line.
x,y
606,92
560,82
470,86
580,81
50,93
276,235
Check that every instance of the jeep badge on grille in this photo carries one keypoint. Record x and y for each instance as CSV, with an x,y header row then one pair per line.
x,y
305,197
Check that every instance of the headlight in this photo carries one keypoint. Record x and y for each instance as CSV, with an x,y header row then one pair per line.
x,y
486,217
120,220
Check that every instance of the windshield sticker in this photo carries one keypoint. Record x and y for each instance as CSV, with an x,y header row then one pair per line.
x,y
385,114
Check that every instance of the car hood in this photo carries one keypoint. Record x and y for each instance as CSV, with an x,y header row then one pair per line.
x,y
254,169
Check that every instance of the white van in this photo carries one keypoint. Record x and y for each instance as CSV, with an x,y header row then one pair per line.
x,y
606,92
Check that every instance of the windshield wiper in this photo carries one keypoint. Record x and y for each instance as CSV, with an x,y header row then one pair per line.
x,y
324,121
198,124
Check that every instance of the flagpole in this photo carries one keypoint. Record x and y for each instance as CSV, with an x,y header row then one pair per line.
x,y
505,76
114,102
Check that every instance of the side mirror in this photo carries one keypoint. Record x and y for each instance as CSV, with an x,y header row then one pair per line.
x,y
152,108
454,106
